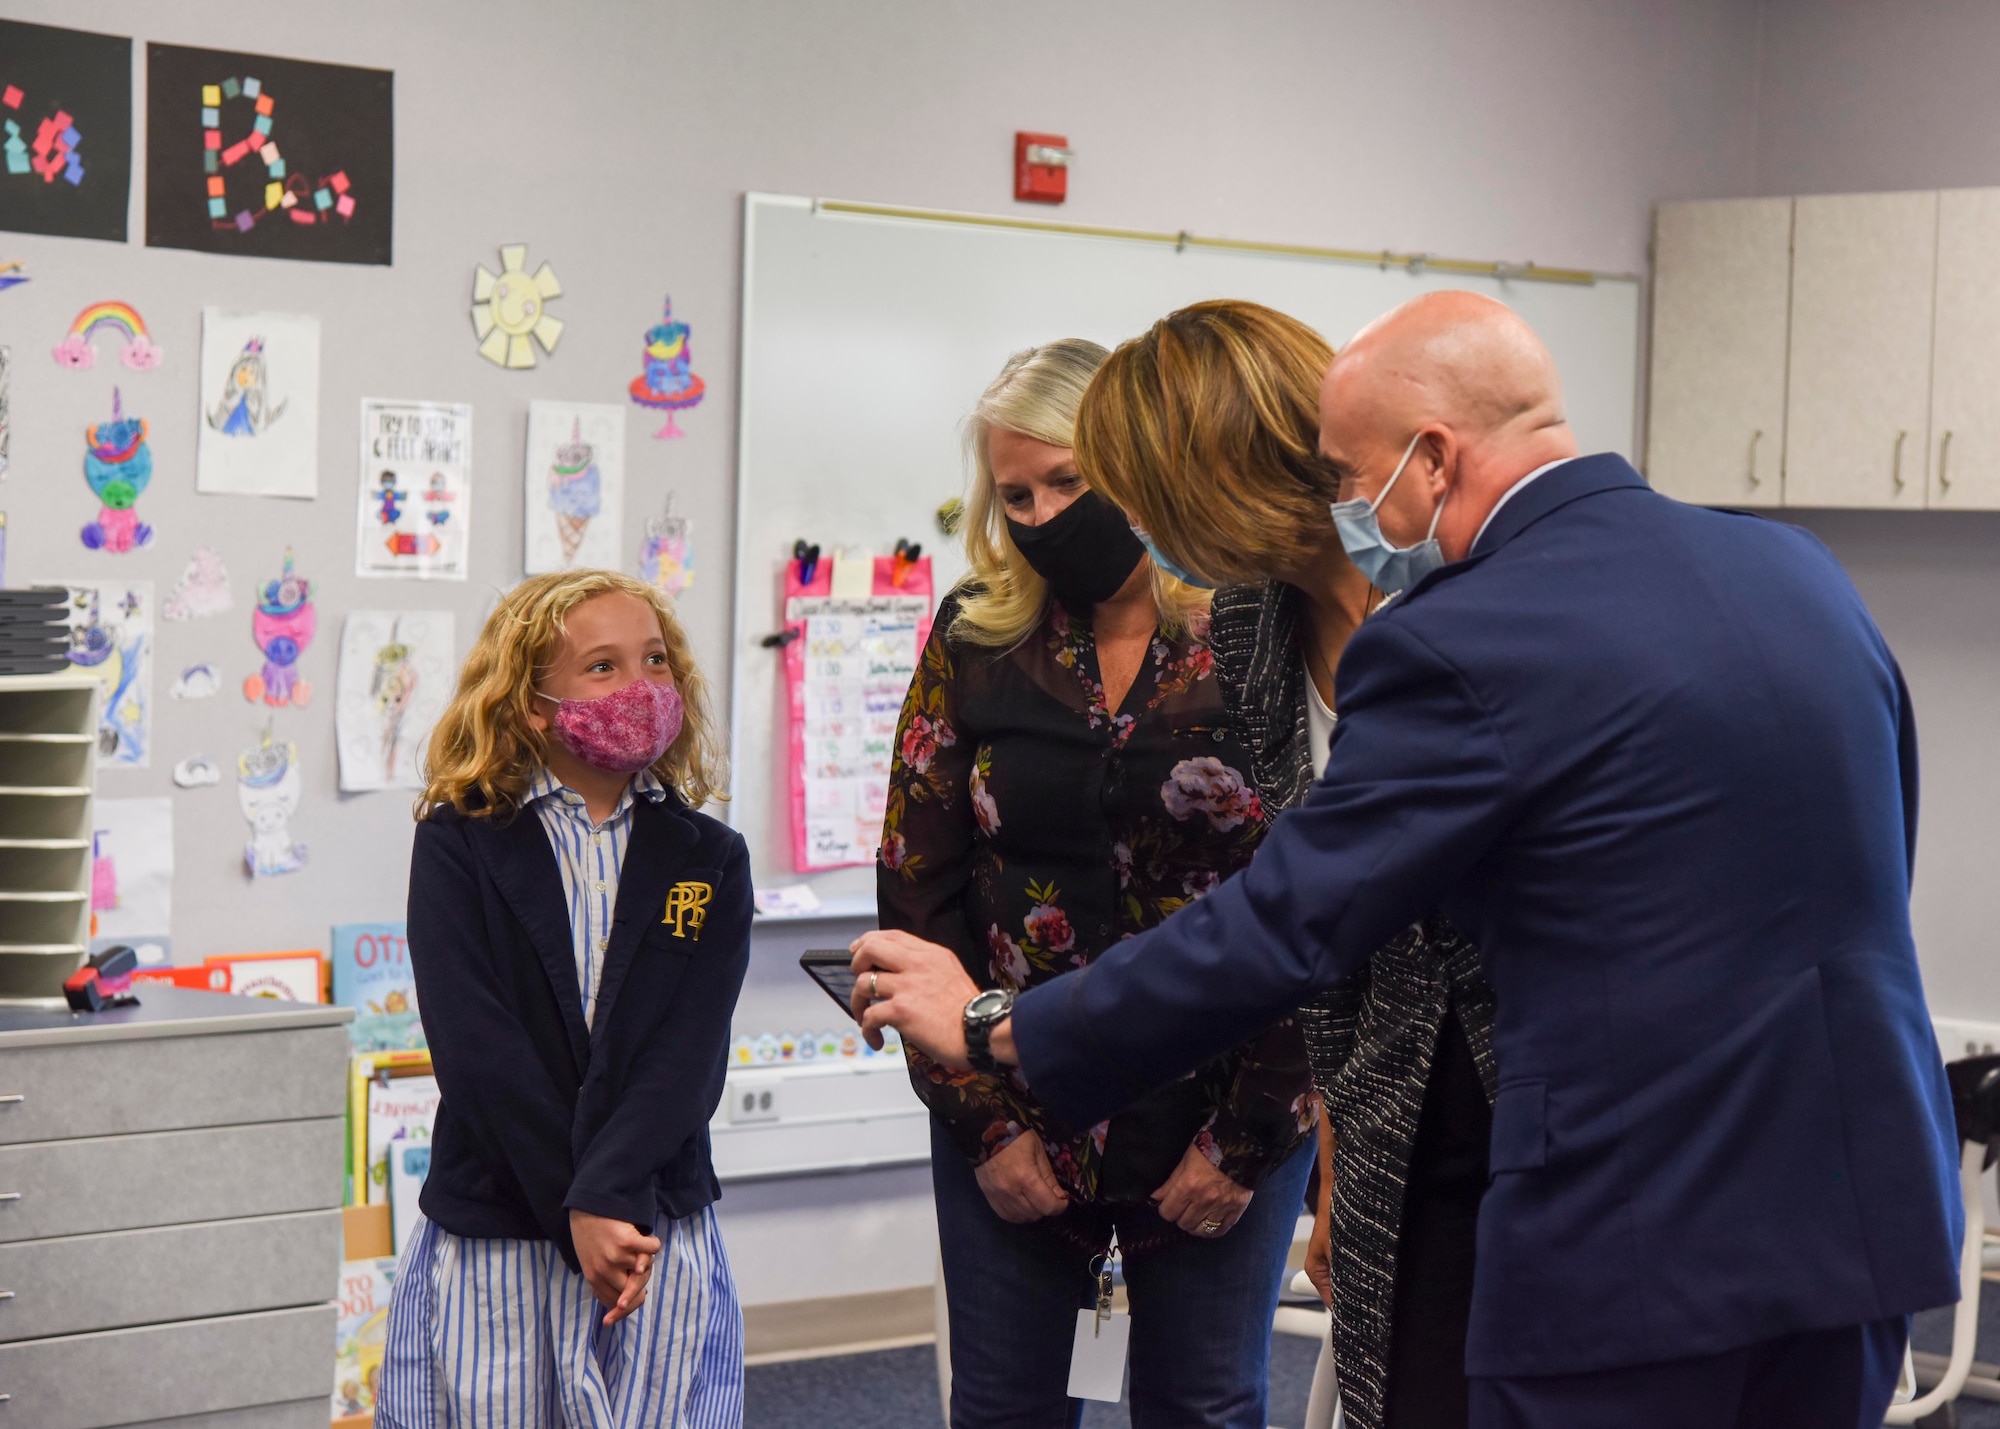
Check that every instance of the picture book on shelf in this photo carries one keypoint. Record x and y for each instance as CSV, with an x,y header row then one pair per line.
x,y
401,1110
360,1335
409,1164
371,974
369,1072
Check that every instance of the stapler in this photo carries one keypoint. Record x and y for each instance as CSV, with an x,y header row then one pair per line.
x,y
104,981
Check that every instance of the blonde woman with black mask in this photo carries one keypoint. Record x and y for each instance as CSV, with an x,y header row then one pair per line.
x,y
1065,776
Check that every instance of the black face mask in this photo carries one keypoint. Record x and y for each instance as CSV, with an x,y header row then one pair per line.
x,y
1085,552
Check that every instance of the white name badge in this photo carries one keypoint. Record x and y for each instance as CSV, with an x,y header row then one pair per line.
x,y
1097,1364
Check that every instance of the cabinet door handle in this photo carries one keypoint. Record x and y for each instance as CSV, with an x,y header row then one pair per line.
x,y
11,1097
1896,470
1944,455
10,1195
1755,437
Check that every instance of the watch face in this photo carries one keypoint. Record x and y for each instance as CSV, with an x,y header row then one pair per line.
x,y
986,1003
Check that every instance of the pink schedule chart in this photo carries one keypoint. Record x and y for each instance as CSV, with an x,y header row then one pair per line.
x,y
847,668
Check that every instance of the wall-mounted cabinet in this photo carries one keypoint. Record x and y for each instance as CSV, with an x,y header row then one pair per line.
x,y
1874,318
1965,362
1721,299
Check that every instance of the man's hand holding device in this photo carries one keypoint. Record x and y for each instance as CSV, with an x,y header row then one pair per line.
x,y
893,979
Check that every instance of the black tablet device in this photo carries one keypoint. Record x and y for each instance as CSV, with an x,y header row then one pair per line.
x,y
830,968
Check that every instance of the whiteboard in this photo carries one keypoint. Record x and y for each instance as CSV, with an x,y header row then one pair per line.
x,y
866,339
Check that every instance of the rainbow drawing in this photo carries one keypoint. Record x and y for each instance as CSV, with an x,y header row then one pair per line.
x,y
139,352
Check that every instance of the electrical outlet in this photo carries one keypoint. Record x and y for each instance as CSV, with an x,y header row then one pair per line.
x,y
755,1102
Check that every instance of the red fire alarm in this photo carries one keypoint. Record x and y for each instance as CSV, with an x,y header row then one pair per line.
x,y
1041,167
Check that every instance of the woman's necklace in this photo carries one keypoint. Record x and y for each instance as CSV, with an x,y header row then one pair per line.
x,y
1319,668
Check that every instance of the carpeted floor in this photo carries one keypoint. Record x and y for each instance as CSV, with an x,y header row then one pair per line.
x,y
897,1389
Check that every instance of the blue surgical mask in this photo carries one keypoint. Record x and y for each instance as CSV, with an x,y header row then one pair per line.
x,y
1168,566
1390,570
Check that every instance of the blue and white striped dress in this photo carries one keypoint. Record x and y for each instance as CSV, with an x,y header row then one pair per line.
x,y
501,1334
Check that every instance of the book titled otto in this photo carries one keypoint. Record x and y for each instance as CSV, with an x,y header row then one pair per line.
x,y
371,974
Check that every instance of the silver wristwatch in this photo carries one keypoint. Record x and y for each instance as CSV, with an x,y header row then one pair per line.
x,y
986,1011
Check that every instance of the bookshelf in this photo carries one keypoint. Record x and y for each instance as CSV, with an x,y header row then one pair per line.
x,y
48,765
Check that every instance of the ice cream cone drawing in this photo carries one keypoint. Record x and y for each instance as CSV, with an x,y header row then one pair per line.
x,y
575,491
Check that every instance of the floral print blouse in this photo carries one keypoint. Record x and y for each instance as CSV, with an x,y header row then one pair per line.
x,y
1029,827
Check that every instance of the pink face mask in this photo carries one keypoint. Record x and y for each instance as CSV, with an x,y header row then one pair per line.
x,y
622,732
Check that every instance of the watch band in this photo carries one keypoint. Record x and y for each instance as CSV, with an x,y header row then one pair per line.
x,y
979,1035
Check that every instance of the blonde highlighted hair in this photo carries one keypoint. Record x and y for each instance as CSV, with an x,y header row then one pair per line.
x,y
1002,598
484,752
1206,430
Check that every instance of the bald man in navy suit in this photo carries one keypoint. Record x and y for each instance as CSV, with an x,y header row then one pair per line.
x,y
1660,764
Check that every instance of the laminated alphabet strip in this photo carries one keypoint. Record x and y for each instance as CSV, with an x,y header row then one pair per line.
x,y
846,673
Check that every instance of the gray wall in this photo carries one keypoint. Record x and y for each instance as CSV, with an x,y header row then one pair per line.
x,y
1856,96
615,140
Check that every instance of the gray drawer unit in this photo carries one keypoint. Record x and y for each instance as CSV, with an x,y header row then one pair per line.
x,y
271,1362
299,1414
164,1178
102,1282
170,1238
168,1083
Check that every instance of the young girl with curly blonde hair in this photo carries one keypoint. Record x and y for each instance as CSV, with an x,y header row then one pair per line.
x,y
579,930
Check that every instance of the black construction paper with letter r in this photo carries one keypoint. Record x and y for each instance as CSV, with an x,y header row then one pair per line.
x,y
255,156
72,180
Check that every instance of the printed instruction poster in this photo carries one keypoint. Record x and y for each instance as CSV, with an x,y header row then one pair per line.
x,y
416,490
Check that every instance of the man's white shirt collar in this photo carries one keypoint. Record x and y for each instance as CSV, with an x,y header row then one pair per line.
x,y
1511,493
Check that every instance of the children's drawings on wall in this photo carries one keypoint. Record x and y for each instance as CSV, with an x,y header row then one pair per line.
x,y
668,384
132,874
197,682
65,131
282,625
575,485
111,640
197,771
267,790
11,275
666,556
119,466
259,404
251,154
396,675
416,490
6,420
136,348
511,307
203,588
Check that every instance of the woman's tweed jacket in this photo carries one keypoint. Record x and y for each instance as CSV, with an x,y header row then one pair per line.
x,y
1371,1038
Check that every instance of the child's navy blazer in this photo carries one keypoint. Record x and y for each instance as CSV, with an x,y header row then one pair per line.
x,y
540,1114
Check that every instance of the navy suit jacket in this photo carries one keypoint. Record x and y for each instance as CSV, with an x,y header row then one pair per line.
x,y
1660,765
542,1115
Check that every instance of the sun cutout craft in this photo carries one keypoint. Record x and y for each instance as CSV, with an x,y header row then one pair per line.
x,y
510,306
